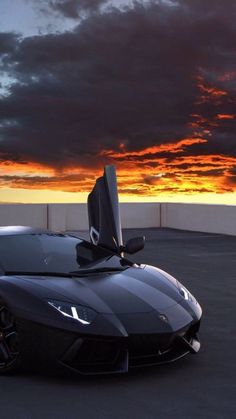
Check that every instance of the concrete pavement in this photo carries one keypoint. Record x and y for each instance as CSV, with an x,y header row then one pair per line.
x,y
201,386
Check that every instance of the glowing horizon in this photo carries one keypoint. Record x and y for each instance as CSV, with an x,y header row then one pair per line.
x,y
8,196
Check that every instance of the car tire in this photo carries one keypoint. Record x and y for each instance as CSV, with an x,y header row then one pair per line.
x,y
9,341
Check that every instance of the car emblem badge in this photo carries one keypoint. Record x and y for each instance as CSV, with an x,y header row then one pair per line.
x,y
163,318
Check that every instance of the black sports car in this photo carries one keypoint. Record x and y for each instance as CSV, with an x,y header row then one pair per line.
x,y
83,306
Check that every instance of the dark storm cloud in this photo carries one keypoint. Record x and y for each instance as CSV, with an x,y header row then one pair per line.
x,y
151,179
73,8
220,143
232,171
7,42
122,76
69,183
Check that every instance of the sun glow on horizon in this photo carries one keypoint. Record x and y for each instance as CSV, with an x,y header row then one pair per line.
x,y
24,196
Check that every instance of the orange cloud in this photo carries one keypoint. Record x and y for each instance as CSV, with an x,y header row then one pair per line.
x,y
168,147
8,167
210,90
152,176
209,93
225,116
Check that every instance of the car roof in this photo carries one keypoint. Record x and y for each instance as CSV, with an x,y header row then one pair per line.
x,y
13,230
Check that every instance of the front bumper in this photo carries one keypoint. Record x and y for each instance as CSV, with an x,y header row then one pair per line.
x,y
92,354
100,356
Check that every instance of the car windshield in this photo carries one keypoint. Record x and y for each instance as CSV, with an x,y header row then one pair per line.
x,y
48,252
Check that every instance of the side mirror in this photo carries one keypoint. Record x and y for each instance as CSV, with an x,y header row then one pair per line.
x,y
134,245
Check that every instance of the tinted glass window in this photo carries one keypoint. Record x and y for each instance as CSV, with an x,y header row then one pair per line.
x,y
51,253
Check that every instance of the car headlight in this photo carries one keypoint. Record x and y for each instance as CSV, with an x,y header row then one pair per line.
x,y
82,314
182,290
185,293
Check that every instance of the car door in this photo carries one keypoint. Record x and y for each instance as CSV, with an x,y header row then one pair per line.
x,y
104,213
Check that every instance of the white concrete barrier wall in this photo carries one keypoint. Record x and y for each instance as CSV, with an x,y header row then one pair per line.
x,y
140,215
74,216
61,217
208,218
34,215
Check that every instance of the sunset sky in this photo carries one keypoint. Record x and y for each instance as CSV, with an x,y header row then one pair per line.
x,y
149,86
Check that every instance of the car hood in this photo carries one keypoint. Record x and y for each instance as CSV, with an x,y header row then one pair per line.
x,y
133,290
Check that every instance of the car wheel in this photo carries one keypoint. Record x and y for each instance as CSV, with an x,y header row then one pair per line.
x,y
9,340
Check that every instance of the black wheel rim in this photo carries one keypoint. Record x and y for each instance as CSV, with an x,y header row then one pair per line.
x,y
9,347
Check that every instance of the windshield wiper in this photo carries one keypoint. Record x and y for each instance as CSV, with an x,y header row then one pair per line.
x,y
72,274
96,270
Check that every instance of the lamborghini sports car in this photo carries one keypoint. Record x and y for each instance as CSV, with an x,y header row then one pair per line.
x,y
70,304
